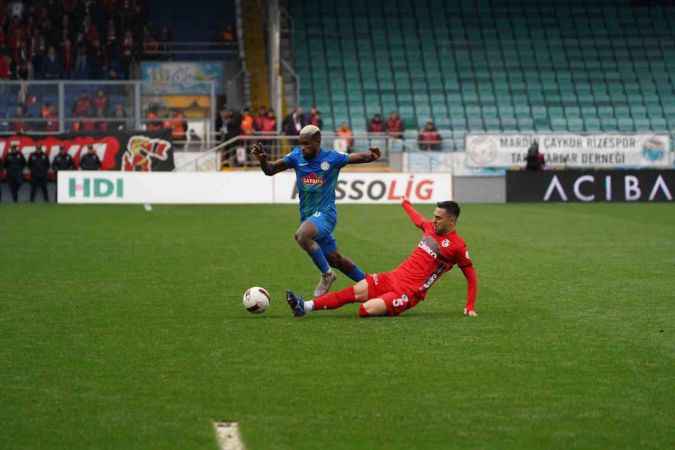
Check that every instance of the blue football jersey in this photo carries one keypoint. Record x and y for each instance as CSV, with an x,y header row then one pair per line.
x,y
316,180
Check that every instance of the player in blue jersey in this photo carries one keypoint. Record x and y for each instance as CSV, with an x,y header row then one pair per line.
x,y
317,171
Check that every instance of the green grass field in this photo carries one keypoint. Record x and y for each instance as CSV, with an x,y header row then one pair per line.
x,y
123,329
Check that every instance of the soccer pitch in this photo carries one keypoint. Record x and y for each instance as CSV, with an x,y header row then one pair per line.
x,y
124,329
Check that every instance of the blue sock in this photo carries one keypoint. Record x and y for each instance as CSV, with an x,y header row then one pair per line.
x,y
356,274
319,259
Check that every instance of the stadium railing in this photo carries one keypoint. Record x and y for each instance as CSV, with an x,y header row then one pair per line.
x,y
235,152
136,99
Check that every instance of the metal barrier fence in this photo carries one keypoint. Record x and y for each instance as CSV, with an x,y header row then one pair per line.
x,y
90,106
235,152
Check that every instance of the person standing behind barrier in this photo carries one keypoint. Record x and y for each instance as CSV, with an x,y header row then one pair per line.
x,y
38,163
90,160
62,161
534,160
14,164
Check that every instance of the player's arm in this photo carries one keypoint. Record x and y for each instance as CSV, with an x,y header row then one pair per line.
x,y
268,168
416,218
373,154
471,290
466,265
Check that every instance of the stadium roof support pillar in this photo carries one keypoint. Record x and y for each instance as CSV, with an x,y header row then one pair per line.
x,y
274,54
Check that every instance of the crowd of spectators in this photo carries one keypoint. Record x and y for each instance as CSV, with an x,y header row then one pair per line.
x,y
89,113
230,124
71,39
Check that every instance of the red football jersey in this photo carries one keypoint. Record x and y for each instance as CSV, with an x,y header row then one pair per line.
x,y
435,254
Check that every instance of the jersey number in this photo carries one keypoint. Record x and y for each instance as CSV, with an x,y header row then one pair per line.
x,y
398,302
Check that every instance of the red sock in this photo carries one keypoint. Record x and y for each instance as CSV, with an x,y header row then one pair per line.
x,y
362,311
334,300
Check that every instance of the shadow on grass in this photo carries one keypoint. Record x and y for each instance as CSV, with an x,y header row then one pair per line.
x,y
419,315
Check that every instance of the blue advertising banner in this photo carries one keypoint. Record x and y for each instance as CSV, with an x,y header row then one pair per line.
x,y
181,78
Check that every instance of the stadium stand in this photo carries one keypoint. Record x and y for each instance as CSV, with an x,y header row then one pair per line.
x,y
488,65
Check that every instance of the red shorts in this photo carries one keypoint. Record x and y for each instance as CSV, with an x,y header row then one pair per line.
x,y
396,299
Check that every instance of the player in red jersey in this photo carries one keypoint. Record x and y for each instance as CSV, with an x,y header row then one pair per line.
x,y
391,293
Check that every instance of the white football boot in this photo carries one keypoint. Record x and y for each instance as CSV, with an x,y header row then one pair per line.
x,y
325,283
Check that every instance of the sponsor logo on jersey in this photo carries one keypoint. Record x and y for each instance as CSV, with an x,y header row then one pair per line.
x,y
434,276
312,179
424,246
430,281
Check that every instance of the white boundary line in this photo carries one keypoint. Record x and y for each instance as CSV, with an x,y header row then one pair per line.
x,y
228,436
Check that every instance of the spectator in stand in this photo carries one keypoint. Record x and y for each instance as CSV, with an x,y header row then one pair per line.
x,y
38,164
88,122
81,70
52,67
5,67
68,58
247,122
224,116
82,106
228,34
101,101
17,125
314,118
98,66
48,122
179,127
152,122
90,160
258,119
233,127
14,165
165,35
127,54
101,124
429,138
376,124
119,121
24,70
395,127
269,122
52,124
294,122
345,140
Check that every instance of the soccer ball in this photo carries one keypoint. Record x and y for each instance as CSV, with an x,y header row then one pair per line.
x,y
256,300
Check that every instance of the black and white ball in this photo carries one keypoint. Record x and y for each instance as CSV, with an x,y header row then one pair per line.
x,y
256,300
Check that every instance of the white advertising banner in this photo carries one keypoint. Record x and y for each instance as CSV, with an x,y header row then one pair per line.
x,y
368,187
243,187
570,150
164,187
453,163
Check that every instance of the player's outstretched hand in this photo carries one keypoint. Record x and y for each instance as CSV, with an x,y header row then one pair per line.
x,y
375,153
470,313
258,152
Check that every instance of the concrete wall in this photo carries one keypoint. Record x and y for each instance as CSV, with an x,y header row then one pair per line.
x,y
479,189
